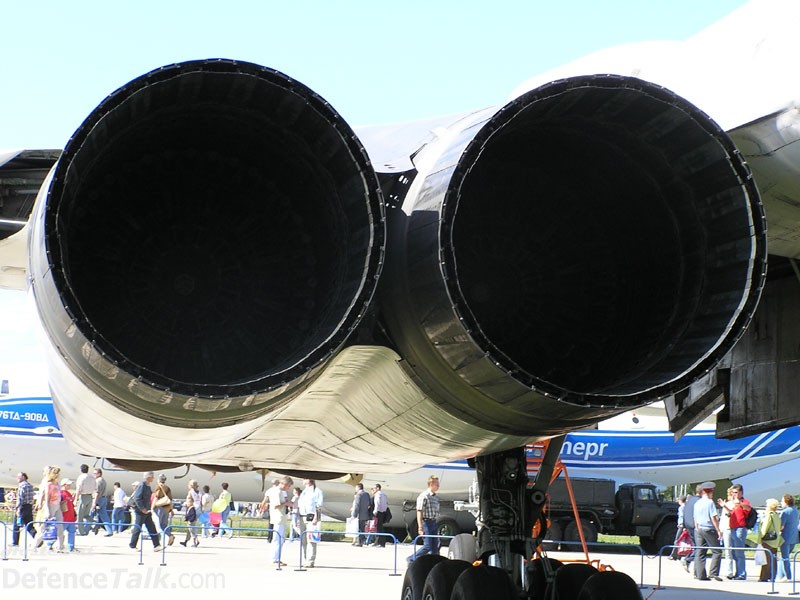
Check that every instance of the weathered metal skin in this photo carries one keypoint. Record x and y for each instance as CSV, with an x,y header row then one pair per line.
x,y
206,255
594,245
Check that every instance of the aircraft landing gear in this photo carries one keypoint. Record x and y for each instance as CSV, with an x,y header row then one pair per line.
x,y
506,513
508,510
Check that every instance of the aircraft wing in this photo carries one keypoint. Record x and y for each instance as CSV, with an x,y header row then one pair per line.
x,y
21,175
735,70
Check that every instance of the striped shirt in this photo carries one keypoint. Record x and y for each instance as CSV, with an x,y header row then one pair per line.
x,y
428,503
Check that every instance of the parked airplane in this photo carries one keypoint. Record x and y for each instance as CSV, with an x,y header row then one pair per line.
x,y
30,438
226,274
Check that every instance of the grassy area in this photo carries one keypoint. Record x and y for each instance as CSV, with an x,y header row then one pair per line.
x,y
252,527
618,539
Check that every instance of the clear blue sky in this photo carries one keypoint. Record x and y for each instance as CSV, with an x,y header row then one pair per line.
x,y
375,62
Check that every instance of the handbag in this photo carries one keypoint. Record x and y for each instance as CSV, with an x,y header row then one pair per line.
x,y
314,533
684,544
760,557
64,506
372,526
163,501
50,530
770,536
351,527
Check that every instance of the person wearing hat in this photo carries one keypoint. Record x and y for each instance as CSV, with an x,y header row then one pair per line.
x,y
707,534
68,515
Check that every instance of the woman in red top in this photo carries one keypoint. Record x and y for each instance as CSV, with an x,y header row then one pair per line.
x,y
68,513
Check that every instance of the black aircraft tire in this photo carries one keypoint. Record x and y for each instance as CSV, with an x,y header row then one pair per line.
x,y
610,585
553,533
447,526
538,578
569,581
482,583
440,581
463,547
417,572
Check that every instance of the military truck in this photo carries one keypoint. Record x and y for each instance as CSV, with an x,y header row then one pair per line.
x,y
633,509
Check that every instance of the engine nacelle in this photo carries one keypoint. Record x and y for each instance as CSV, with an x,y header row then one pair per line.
x,y
596,244
209,238
214,233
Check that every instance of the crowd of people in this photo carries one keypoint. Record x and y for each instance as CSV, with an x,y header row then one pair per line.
x,y
61,509
721,527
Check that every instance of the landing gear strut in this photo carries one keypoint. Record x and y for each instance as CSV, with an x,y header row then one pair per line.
x,y
509,508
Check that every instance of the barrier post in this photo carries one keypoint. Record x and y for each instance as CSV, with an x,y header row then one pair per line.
x,y
5,539
773,569
794,591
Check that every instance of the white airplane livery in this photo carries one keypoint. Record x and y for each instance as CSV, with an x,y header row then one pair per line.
x,y
30,438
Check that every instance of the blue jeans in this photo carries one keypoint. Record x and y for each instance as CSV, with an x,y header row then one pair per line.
x,y
738,538
784,563
430,545
118,519
69,529
223,524
102,514
277,540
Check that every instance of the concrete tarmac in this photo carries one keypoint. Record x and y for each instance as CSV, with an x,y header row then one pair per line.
x,y
244,566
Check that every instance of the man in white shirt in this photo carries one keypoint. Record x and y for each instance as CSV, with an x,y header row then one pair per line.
x,y
85,489
308,505
278,497
381,502
706,535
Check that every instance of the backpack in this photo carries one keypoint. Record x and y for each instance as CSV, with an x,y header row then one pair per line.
x,y
751,518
